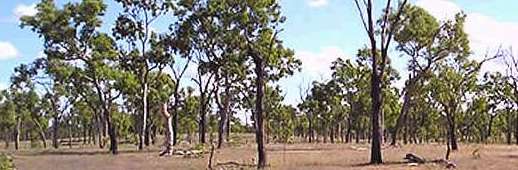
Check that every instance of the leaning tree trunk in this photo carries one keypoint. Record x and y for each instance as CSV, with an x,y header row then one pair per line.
x,y
259,132
402,114
41,133
168,143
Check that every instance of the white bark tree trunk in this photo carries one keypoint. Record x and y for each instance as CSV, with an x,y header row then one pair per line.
x,y
168,143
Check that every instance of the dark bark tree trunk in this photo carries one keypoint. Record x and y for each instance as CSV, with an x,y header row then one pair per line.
x,y
377,130
259,133
224,112
55,131
203,121
311,132
229,118
451,129
348,134
112,132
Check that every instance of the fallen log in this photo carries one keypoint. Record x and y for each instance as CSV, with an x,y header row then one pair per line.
x,y
413,158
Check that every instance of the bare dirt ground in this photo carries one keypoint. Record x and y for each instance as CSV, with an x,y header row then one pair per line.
x,y
280,156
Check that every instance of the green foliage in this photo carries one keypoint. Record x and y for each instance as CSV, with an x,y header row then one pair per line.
x,y
6,162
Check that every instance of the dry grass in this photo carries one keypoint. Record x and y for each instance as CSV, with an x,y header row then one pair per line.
x,y
280,156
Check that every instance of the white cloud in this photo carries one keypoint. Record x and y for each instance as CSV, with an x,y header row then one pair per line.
x,y
7,51
25,10
317,3
486,34
440,9
317,65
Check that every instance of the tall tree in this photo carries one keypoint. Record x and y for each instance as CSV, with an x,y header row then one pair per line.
x,y
384,30
134,26
426,43
70,35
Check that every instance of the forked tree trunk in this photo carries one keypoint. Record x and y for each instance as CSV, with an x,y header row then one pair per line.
x,y
112,132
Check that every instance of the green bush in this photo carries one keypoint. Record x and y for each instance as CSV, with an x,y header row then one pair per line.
x,y
6,162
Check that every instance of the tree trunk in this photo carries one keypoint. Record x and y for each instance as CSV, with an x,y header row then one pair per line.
x,y
143,130
41,133
203,120
112,133
168,143
310,127
259,132
224,119
70,135
489,128
229,117
55,131
377,130
452,136
222,128
17,133
402,114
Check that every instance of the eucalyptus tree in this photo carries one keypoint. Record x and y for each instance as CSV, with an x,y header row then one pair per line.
x,y
160,91
384,29
426,42
70,35
453,81
134,27
253,27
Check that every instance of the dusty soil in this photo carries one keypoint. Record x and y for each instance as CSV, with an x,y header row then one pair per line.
x,y
280,156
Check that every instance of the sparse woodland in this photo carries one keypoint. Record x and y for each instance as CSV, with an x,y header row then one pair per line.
x,y
220,60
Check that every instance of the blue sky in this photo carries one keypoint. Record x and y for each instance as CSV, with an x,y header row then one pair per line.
x,y
318,30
